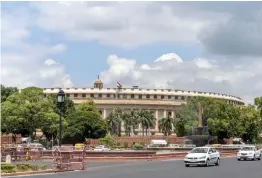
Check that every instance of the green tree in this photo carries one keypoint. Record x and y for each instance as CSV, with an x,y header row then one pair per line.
x,y
258,104
128,123
146,119
27,108
68,105
85,122
185,118
114,121
165,125
7,91
250,120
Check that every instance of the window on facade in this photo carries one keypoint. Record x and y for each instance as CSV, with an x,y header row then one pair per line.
x,y
169,114
108,95
176,97
100,95
162,97
132,95
140,96
155,96
182,98
169,96
83,95
92,95
75,95
147,96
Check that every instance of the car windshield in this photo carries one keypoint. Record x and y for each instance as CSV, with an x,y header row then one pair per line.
x,y
247,148
199,150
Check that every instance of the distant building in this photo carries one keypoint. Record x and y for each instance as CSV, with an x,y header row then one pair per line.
x,y
162,102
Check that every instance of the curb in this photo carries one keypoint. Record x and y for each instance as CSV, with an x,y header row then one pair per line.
x,y
27,173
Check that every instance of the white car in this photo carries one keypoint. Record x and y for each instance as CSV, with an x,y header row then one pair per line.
x,y
202,156
101,148
249,152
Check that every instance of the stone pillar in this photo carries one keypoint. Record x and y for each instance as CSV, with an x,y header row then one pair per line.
x,y
104,113
173,114
173,117
156,116
165,114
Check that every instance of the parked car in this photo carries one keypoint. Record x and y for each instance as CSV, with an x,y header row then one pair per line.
x,y
101,148
202,156
249,152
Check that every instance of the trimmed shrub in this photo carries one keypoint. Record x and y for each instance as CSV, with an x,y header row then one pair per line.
x,y
118,144
142,143
137,146
125,144
22,167
42,166
8,168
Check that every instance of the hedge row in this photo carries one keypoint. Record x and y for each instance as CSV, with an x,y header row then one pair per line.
x,y
22,167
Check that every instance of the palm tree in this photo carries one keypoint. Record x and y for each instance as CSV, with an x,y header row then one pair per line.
x,y
146,119
128,123
135,120
165,125
114,121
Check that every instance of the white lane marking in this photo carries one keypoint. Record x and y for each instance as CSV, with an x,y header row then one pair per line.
x,y
31,175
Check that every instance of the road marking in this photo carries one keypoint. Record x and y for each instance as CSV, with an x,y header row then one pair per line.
x,y
31,175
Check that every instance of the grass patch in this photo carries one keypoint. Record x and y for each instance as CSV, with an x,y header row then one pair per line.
x,y
21,167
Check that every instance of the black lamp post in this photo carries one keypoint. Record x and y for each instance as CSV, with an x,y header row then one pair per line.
x,y
60,101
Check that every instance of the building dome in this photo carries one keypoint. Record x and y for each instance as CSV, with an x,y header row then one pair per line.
x,y
98,83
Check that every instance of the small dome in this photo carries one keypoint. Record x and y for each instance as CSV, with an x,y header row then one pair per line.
x,y
98,81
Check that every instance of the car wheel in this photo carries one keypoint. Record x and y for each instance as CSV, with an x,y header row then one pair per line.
x,y
254,158
207,163
239,159
187,165
259,158
218,162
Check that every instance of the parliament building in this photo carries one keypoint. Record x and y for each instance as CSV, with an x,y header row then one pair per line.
x,y
162,102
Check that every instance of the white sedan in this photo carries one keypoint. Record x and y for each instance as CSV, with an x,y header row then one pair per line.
x,y
101,148
202,156
249,152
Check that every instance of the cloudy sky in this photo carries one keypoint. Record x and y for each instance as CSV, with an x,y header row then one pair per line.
x,y
206,46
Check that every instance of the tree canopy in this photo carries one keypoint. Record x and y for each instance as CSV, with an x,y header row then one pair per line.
x,y
85,122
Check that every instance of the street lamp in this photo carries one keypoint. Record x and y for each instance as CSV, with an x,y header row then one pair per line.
x,y
60,101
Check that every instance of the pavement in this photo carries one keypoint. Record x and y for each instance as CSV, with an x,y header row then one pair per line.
x,y
229,168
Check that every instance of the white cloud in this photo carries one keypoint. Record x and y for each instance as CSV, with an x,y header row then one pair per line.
x,y
199,74
169,56
124,24
24,63
49,62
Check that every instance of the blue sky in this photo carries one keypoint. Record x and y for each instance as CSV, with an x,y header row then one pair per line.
x,y
199,46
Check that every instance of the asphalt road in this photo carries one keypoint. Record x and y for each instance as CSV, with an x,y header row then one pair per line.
x,y
229,168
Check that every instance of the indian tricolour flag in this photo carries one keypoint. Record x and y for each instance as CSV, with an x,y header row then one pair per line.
x,y
118,85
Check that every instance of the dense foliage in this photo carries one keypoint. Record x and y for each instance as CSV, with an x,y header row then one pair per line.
x,y
224,120
28,110
131,121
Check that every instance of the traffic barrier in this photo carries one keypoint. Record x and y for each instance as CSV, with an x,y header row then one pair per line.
x,y
67,158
